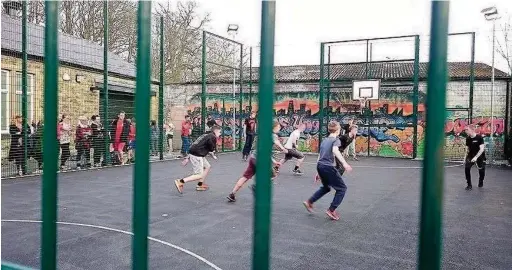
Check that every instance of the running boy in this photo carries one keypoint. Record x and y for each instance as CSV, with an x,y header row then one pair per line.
x,y
250,171
327,172
475,154
204,145
291,146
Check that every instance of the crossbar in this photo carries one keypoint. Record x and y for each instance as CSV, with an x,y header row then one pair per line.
x,y
224,38
369,39
222,65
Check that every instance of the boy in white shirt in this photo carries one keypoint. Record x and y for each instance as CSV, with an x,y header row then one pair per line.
x,y
291,146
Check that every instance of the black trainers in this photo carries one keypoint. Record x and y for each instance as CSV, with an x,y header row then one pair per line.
x,y
276,168
297,172
231,197
480,183
253,188
469,187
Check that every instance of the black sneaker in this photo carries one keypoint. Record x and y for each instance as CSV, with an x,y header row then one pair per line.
x,y
469,187
231,197
298,172
276,168
480,183
253,188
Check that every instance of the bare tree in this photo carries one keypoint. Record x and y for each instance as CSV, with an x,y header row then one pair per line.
x,y
504,42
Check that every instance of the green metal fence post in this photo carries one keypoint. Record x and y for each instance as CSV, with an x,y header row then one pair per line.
x,y
250,79
321,96
223,125
430,238
203,83
241,99
472,78
24,84
141,168
328,82
161,92
105,84
50,147
263,193
415,96
365,112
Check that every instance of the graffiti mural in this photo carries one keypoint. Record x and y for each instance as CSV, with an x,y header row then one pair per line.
x,y
386,126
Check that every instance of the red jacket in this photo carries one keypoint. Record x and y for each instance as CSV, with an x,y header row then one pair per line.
x,y
83,136
185,128
131,134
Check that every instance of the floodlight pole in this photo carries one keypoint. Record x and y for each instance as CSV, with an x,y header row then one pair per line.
x,y
233,33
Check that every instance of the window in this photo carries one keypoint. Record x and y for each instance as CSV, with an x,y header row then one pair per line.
x,y
30,96
4,101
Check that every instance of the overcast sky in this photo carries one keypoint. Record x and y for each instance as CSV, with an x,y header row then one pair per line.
x,y
302,24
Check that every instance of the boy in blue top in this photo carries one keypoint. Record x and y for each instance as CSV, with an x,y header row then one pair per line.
x,y
328,173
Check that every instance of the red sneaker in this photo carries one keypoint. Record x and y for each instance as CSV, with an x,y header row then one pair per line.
x,y
308,206
332,214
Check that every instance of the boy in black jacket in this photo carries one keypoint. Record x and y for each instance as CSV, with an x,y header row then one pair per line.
x,y
204,145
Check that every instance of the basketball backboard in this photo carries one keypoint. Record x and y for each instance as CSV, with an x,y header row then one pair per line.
x,y
368,89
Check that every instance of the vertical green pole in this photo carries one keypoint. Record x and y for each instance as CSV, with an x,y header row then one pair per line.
x,y
250,79
241,99
50,153
161,92
472,77
142,112
321,96
24,84
328,82
223,126
415,96
263,193
430,240
105,83
365,112
203,85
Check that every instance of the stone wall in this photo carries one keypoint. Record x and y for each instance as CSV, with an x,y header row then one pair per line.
x,y
386,131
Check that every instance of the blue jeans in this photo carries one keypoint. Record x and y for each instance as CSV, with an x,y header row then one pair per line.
x,y
331,177
185,144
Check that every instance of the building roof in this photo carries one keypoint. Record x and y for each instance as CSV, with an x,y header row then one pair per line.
x,y
398,71
72,50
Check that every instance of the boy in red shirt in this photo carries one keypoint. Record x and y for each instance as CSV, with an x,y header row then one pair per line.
x,y
186,127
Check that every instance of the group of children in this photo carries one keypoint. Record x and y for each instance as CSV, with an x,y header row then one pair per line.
x,y
331,163
330,166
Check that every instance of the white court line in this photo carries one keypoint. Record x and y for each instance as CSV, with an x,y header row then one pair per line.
x,y
380,167
123,232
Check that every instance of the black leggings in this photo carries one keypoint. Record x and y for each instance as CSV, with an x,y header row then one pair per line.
x,y
65,153
480,163
249,139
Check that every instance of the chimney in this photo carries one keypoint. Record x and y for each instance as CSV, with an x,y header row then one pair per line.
x,y
13,8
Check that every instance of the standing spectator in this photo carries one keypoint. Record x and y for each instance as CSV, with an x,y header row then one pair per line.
x,y
186,128
131,141
64,137
351,149
83,143
37,144
196,129
98,140
169,132
16,150
154,137
120,128
250,133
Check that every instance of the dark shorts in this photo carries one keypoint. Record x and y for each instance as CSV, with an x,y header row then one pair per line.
x,y
169,136
250,171
293,153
